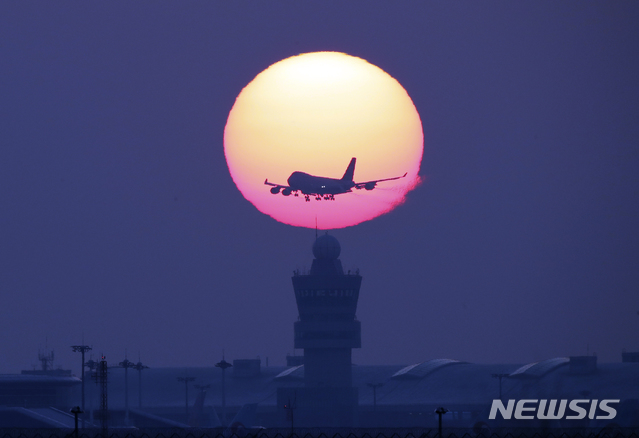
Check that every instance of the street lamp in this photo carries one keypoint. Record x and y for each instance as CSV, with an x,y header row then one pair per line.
x,y
75,411
139,367
440,411
91,365
82,349
223,365
186,381
126,364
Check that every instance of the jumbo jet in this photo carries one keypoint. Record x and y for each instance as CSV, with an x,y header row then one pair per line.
x,y
321,187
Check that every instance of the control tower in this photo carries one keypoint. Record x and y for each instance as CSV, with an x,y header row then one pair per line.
x,y
327,331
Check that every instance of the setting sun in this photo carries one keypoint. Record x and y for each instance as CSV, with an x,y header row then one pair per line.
x,y
313,113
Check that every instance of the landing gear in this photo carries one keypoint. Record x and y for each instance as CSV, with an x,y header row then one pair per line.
x,y
317,197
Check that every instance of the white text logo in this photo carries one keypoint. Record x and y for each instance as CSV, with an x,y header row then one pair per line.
x,y
553,409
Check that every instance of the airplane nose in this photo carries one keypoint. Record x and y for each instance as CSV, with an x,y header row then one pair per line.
x,y
292,179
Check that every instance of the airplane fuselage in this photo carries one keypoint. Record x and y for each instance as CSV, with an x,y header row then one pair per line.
x,y
324,188
311,185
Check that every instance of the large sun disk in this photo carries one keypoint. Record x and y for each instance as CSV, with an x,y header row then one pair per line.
x,y
313,113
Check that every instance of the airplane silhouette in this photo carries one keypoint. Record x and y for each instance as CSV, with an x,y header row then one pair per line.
x,y
321,187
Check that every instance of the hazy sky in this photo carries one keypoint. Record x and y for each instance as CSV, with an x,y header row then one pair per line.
x,y
119,219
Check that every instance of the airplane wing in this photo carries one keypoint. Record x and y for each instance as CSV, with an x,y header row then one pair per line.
x,y
281,186
370,185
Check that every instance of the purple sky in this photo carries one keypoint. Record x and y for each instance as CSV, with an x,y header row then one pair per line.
x,y
119,218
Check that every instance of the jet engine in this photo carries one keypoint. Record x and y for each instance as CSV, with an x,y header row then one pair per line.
x,y
286,192
370,186
275,190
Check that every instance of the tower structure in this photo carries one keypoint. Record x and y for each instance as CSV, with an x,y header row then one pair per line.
x,y
327,331
101,377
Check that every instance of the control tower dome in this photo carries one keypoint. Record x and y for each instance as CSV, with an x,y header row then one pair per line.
x,y
326,247
326,250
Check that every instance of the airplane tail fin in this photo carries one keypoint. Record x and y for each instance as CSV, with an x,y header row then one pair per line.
x,y
350,171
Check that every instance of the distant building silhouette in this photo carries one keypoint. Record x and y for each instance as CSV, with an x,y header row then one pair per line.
x,y
38,388
630,357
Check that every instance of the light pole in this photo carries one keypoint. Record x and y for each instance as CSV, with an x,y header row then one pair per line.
x,y
91,365
223,365
75,411
290,412
126,364
139,367
186,381
375,386
500,376
82,349
440,411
